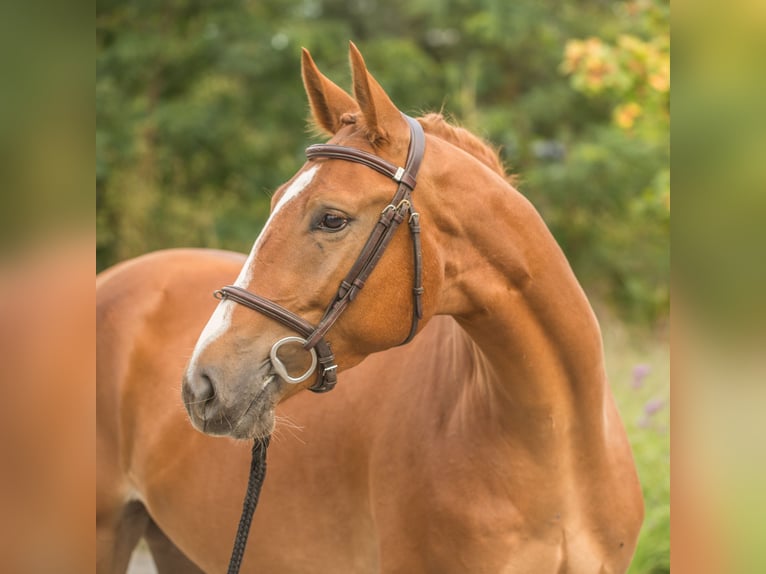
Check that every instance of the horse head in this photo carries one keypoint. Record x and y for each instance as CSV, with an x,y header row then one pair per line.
x,y
321,221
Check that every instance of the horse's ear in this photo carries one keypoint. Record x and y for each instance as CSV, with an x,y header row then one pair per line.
x,y
382,118
328,102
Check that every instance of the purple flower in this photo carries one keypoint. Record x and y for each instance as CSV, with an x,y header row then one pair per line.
x,y
653,406
639,374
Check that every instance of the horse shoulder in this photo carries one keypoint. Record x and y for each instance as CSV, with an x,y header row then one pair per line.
x,y
142,305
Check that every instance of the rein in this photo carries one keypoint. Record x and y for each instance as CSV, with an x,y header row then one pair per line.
x,y
254,484
312,338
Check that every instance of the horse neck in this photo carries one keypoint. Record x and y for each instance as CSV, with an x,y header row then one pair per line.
x,y
538,359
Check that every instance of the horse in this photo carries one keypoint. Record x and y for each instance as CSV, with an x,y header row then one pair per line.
x,y
488,443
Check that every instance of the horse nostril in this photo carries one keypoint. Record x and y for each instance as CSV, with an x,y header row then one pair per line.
x,y
207,389
199,388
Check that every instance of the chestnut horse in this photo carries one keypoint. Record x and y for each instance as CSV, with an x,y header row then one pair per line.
x,y
490,443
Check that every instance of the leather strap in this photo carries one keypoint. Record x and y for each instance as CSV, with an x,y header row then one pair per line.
x,y
392,215
417,289
380,165
390,218
327,375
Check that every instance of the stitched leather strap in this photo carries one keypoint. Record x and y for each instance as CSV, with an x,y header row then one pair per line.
x,y
417,288
326,376
380,165
390,218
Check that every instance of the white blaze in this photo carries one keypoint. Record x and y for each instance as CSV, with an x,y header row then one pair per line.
x,y
221,319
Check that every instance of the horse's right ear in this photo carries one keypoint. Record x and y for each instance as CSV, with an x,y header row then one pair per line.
x,y
328,102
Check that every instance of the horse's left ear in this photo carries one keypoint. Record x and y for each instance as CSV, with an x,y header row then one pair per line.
x,y
328,102
383,120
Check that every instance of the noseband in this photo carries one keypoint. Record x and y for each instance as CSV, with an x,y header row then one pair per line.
x,y
392,215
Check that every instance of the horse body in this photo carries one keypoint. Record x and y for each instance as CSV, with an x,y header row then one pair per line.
x,y
393,468
490,443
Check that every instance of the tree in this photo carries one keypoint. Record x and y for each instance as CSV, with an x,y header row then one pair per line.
x,y
201,115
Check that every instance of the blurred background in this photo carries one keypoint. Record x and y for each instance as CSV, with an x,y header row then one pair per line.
x,y
201,115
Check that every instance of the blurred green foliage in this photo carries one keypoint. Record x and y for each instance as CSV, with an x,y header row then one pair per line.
x,y
45,125
201,115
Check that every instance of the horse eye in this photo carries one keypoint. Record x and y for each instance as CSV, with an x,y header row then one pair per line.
x,y
333,222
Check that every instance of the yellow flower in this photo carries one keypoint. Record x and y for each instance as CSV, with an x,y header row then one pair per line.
x,y
625,115
660,80
573,54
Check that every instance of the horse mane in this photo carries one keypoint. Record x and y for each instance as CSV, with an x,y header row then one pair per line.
x,y
436,124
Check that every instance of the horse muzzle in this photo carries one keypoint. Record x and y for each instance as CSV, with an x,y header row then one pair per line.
x,y
244,413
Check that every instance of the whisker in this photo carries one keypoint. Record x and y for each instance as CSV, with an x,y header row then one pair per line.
x,y
196,402
288,422
228,422
284,422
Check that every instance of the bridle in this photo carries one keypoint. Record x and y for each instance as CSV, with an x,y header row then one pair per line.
x,y
312,338
400,207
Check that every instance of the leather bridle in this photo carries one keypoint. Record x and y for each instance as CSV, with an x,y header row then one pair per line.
x,y
400,207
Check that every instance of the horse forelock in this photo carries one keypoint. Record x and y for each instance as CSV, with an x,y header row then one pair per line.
x,y
435,124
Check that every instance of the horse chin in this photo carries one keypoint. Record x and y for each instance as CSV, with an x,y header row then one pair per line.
x,y
248,428
256,420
